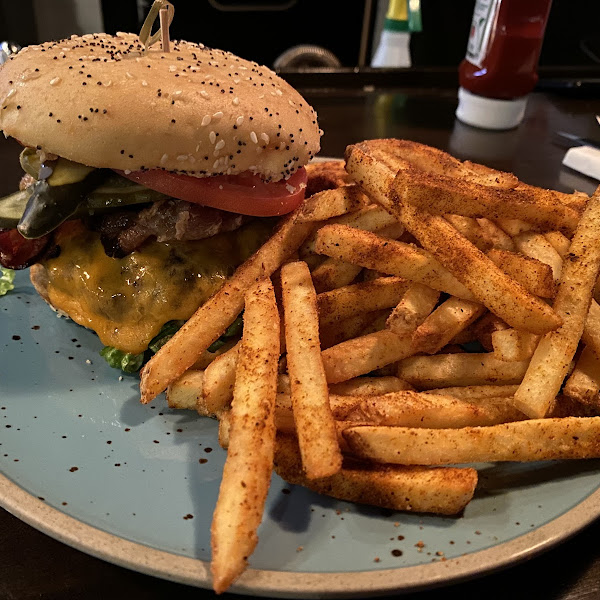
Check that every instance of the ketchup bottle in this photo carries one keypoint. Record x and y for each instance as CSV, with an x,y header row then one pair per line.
x,y
500,67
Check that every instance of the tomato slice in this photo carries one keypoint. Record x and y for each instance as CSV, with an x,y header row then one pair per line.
x,y
246,194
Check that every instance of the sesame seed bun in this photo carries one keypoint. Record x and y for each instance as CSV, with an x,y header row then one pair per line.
x,y
102,101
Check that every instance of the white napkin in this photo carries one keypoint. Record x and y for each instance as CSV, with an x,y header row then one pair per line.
x,y
584,159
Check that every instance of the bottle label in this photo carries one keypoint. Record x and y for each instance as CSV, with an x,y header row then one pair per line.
x,y
484,21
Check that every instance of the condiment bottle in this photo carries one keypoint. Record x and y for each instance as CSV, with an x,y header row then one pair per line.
x,y
500,67
401,19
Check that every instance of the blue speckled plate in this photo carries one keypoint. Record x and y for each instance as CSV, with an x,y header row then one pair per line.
x,y
83,461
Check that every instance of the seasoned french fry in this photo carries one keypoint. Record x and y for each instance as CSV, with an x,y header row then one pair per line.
x,y
553,355
559,242
488,284
535,245
417,409
224,428
491,287
332,203
352,327
521,441
247,471
371,218
443,491
473,392
584,383
340,405
513,227
535,276
416,304
591,328
450,370
348,301
219,380
325,175
497,238
186,392
333,273
470,228
369,386
212,318
392,257
514,345
484,328
364,354
440,194
444,323
317,435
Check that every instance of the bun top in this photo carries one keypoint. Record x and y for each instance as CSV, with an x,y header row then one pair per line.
x,y
103,101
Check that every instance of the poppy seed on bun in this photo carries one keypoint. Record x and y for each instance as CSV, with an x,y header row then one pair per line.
x,y
105,102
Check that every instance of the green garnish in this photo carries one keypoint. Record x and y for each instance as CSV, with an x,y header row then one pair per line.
x,y
130,363
6,280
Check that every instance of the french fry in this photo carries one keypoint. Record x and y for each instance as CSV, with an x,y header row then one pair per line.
x,y
484,328
488,284
559,242
224,429
378,323
218,383
535,276
473,392
415,306
584,383
491,287
213,317
317,435
513,227
451,370
591,328
514,345
325,175
186,393
470,228
521,441
417,409
207,357
371,218
443,491
332,203
348,301
364,354
444,323
535,245
497,238
352,327
395,258
332,274
369,386
553,355
247,471
340,406
440,194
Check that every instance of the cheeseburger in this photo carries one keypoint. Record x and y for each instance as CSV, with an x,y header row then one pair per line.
x,y
149,175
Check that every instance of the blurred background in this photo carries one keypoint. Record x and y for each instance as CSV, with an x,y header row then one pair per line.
x,y
305,34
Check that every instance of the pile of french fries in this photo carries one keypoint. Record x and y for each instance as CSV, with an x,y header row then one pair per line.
x,y
425,312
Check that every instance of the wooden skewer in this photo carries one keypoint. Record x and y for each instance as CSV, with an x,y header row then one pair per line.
x,y
164,29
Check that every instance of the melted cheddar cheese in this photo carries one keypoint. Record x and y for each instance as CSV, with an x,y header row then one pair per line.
x,y
127,300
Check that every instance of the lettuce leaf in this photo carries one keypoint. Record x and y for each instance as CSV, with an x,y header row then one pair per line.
x,y
7,276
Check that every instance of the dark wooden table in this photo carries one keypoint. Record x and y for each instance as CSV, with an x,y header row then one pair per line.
x,y
33,565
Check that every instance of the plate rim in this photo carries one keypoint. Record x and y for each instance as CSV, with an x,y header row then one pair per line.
x,y
292,584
